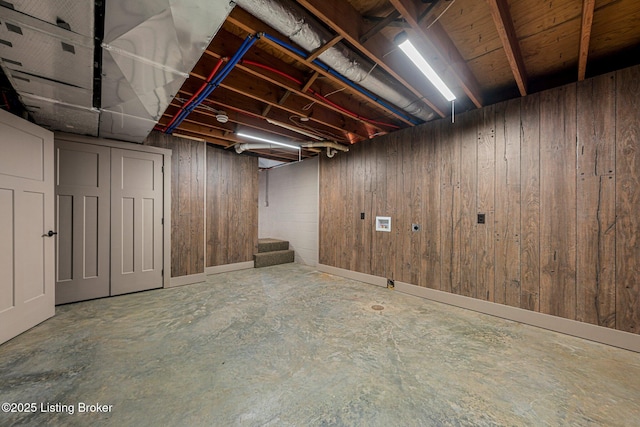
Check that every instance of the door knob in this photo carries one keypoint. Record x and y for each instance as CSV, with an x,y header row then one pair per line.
x,y
50,233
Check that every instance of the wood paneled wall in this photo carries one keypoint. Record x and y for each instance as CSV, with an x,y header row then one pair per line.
x,y
232,207
557,175
228,184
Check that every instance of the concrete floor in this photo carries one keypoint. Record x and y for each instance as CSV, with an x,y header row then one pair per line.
x,y
289,346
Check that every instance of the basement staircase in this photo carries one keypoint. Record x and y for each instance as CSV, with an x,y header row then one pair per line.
x,y
272,252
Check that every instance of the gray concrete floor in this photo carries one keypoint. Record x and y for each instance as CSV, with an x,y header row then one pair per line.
x,y
290,346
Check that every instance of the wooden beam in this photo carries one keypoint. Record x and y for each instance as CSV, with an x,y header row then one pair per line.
x,y
252,25
506,31
233,101
346,21
242,80
226,41
585,36
437,38
375,29
324,48
309,82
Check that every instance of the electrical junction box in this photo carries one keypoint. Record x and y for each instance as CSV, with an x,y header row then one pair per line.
x,y
383,223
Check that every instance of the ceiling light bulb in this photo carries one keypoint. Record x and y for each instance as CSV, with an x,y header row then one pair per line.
x,y
419,61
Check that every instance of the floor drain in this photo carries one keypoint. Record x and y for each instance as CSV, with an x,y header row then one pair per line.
x,y
377,307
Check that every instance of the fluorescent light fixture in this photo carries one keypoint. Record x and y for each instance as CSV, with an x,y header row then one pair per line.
x,y
405,44
269,141
294,129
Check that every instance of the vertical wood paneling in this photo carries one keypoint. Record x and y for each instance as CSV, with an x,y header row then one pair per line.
x,y
507,217
468,126
558,202
213,202
486,205
187,202
405,263
449,168
429,137
557,175
360,225
391,185
595,267
232,205
415,179
456,231
530,203
380,239
628,200
197,208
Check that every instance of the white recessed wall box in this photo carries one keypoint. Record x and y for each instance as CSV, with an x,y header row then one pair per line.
x,y
383,223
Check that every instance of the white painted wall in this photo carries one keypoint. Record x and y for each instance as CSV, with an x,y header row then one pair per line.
x,y
292,211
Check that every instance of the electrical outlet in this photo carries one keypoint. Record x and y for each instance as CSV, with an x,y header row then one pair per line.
x,y
481,218
361,215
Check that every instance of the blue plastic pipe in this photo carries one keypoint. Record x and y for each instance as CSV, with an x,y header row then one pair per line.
x,y
215,82
341,78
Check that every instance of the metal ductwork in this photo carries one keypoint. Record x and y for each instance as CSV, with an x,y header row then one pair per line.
x,y
296,24
148,49
47,52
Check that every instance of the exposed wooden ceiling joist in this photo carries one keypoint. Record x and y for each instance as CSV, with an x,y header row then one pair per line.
x,y
504,25
251,25
585,36
480,48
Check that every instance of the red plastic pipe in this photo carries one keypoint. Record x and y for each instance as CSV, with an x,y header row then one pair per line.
x,y
198,92
316,94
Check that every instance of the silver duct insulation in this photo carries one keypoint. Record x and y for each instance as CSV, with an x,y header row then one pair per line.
x,y
148,50
331,147
296,24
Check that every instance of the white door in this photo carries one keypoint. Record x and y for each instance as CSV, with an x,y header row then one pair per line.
x,y
136,221
83,221
27,264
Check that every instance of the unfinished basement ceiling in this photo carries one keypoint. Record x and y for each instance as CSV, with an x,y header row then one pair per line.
x,y
316,70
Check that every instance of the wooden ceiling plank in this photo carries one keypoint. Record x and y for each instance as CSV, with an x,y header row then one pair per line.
x,y
506,31
346,21
324,48
588,7
437,38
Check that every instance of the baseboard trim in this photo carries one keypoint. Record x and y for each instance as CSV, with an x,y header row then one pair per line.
x,y
600,334
187,280
354,275
217,269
